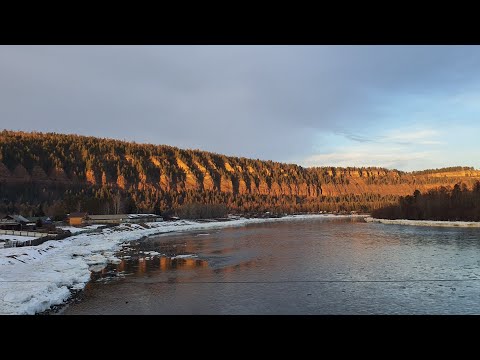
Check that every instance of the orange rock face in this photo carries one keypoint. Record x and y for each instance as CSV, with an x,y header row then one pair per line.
x,y
121,182
156,168
226,185
340,182
242,187
104,178
165,182
91,177
263,188
208,182
275,189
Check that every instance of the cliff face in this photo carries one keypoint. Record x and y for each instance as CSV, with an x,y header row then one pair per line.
x,y
238,181
392,182
52,159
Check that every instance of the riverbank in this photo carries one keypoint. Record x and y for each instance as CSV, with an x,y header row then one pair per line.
x,y
425,222
32,279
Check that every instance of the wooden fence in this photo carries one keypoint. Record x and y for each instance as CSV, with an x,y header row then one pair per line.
x,y
24,233
33,242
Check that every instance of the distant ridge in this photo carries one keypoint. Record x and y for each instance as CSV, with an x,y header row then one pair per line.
x,y
56,172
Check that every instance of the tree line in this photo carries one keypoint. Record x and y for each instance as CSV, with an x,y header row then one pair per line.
x,y
448,204
54,174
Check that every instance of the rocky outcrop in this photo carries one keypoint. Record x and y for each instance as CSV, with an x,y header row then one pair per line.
x,y
165,183
121,182
91,178
226,184
242,187
191,182
198,177
162,169
263,188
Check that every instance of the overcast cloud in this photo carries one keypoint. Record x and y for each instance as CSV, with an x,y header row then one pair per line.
x,y
406,107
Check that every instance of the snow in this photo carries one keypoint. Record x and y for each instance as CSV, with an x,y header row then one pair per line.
x,y
425,222
184,256
77,230
136,216
94,226
151,253
34,278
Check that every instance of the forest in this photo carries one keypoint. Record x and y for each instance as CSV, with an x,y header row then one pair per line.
x,y
54,174
448,204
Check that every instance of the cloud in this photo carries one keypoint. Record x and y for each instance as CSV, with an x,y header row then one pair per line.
x,y
403,148
358,138
389,158
403,136
392,158
412,136
267,102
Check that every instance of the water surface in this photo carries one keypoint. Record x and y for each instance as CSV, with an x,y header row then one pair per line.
x,y
331,266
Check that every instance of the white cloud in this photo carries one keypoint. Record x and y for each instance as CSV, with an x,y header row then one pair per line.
x,y
411,135
375,156
265,102
406,148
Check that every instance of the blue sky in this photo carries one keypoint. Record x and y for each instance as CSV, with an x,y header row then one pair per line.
x,y
404,107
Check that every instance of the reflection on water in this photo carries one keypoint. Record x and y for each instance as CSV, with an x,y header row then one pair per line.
x,y
148,266
303,267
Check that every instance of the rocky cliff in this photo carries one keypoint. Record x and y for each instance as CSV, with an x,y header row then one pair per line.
x,y
70,160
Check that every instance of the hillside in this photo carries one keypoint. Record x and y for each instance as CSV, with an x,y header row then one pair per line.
x,y
55,174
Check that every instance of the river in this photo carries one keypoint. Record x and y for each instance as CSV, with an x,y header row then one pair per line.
x,y
320,266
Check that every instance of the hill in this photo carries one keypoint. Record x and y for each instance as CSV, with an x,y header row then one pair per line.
x,y
56,173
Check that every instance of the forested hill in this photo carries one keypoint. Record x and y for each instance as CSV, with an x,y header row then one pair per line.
x,y
55,173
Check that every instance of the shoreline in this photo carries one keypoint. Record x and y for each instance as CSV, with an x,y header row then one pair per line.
x,y
36,279
433,223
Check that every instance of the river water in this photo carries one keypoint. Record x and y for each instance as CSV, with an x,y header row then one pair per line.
x,y
321,266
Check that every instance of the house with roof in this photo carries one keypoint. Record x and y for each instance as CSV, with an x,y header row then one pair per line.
x,y
13,222
77,218
122,218
43,219
107,219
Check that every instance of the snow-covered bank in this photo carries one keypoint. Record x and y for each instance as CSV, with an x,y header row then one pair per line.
x,y
75,230
32,279
425,222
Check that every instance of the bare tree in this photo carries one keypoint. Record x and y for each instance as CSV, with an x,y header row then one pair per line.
x,y
117,203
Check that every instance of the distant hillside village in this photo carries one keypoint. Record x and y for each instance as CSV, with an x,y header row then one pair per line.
x,y
18,230
83,218
45,223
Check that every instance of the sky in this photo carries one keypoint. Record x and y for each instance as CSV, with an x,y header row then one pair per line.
x,y
402,107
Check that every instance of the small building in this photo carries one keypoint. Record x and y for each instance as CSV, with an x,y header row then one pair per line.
x,y
37,220
40,222
13,222
122,218
9,225
107,219
143,218
18,218
77,218
43,219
